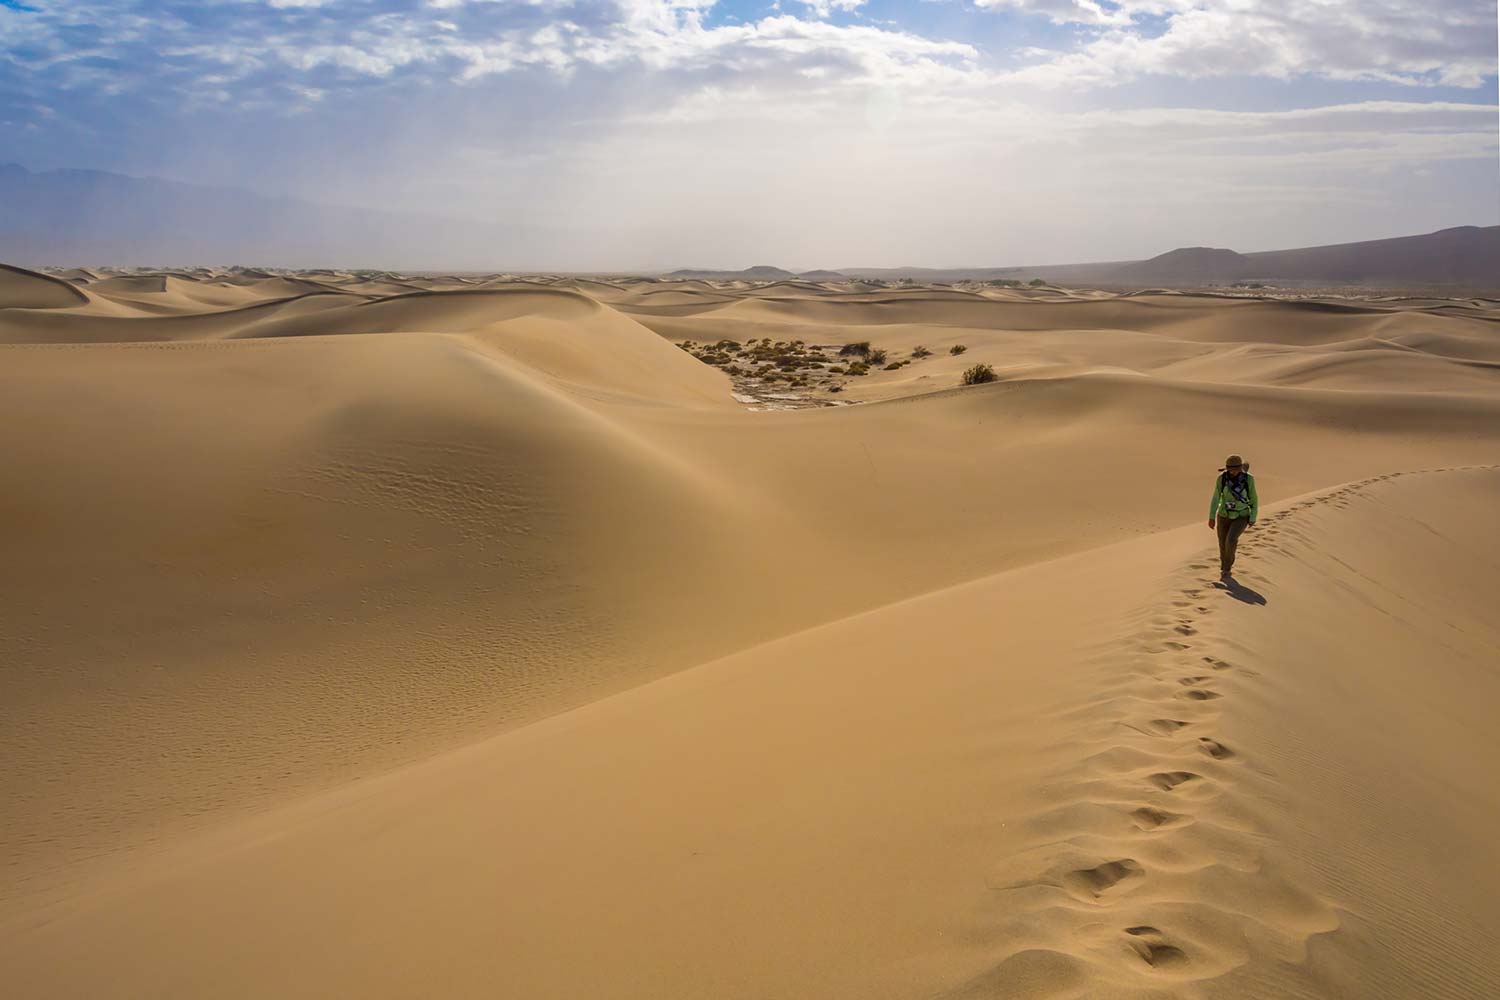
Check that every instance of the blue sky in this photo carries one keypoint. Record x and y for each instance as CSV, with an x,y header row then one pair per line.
x,y
804,132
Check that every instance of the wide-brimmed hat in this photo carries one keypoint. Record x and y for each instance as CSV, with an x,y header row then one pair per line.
x,y
1232,461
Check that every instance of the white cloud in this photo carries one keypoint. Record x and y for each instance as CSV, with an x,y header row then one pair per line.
x,y
825,8
1449,42
641,110
1062,11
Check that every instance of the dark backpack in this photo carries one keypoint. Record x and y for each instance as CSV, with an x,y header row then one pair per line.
x,y
1245,469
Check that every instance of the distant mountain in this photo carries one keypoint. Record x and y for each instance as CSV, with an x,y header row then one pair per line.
x,y
765,272
85,217
760,272
1187,264
1464,257
74,217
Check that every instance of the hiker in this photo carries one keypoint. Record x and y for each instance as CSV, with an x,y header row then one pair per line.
x,y
1233,508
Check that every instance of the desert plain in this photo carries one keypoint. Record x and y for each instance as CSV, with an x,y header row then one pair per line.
x,y
459,636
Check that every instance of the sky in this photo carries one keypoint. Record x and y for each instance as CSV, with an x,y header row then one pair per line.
x,y
803,133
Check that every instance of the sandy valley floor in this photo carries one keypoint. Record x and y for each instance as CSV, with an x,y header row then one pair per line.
x,y
398,637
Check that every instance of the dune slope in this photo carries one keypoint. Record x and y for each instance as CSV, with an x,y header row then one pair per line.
x,y
996,790
465,636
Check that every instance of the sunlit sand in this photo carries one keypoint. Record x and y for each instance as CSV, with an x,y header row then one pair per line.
x,y
400,636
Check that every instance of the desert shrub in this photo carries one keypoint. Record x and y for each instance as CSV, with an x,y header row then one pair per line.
x,y
894,365
860,347
1036,281
920,352
957,349
877,357
858,368
979,374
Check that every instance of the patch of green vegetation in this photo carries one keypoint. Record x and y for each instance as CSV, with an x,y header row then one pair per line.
x,y
920,352
957,349
859,347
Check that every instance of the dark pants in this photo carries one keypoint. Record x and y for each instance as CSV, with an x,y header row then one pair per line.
x,y
1230,529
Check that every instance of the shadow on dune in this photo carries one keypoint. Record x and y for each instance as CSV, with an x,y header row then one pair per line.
x,y
1240,592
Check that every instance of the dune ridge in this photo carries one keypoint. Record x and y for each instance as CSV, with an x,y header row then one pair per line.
x,y
1173,842
1142,835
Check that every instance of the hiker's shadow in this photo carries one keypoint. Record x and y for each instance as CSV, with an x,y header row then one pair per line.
x,y
1240,592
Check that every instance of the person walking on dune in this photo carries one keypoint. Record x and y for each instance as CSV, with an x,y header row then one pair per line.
x,y
1233,508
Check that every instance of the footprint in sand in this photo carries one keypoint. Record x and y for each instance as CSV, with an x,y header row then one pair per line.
x,y
1199,694
1153,948
1168,780
1214,748
1165,726
1093,883
1152,818
1190,681
1177,646
1217,664
1185,630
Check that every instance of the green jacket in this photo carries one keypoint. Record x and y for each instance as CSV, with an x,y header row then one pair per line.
x,y
1225,504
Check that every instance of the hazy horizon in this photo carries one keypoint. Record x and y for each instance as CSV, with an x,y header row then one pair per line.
x,y
656,134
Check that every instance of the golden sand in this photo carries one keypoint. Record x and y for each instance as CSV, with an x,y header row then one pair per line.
x,y
454,637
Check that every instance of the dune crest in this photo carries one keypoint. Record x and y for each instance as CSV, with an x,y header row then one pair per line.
x,y
22,289
1143,831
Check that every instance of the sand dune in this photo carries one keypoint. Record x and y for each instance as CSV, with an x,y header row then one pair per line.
x,y
22,289
478,642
